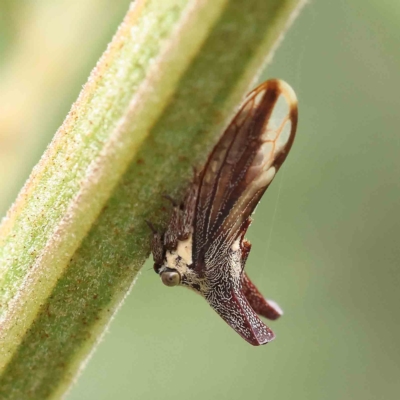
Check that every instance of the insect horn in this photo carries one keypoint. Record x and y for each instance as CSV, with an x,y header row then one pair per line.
x,y
234,308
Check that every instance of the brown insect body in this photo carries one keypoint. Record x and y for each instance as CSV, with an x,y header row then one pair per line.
x,y
204,247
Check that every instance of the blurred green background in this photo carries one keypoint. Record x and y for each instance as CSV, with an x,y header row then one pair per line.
x,y
325,237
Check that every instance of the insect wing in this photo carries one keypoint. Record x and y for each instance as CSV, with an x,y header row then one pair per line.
x,y
244,162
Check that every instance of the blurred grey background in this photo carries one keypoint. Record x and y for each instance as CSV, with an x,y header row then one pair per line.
x,y
325,237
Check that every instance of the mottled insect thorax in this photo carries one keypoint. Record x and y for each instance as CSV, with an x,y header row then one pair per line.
x,y
223,263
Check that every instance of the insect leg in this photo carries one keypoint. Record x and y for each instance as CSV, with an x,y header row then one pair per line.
x,y
189,208
260,305
171,234
157,247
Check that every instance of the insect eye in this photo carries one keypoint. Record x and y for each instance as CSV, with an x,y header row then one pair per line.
x,y
171,278
157,267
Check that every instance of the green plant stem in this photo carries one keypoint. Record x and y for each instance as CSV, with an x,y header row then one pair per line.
x,y
75,238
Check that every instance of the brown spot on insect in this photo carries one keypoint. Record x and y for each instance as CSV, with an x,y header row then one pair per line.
x,y
203,247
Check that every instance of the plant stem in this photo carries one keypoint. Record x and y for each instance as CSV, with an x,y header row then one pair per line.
x,y
75,238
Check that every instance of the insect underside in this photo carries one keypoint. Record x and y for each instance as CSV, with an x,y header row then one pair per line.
x,y
204,247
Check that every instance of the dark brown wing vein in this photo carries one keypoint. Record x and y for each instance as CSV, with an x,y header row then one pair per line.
x,y
243,163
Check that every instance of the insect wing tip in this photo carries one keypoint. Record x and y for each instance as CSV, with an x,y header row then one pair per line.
x,y
279,87
287,91
290,96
